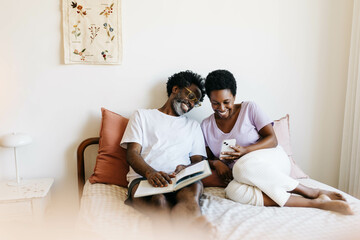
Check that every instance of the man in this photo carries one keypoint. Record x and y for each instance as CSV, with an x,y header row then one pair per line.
x,y
160,143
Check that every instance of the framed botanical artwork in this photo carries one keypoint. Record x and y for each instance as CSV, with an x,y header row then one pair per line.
x,y
92,31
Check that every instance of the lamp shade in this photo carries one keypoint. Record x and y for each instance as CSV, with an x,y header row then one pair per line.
x,y
15,140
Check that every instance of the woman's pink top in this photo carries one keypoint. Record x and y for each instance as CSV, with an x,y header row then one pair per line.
x,y
251,119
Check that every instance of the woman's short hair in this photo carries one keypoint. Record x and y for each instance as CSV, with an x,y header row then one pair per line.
x,y
185,79
220,79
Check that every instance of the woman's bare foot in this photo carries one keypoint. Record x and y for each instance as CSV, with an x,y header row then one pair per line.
x,y
326,203
332,195
314,193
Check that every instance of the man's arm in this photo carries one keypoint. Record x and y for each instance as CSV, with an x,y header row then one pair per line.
x,y
135,160
194,159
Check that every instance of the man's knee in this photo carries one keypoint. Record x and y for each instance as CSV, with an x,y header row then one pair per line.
x,y
190,193
159,201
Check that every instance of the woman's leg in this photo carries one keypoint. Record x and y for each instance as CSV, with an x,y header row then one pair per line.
x,y
247,194
265,173
321,202
268,170
315,193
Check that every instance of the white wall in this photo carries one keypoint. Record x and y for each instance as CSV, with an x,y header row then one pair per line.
x,y
288,56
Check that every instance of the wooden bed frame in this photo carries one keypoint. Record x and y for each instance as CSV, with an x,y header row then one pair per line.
x,y
81,161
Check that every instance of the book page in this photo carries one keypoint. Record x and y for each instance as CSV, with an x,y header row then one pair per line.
x,y
194,176
185,177
145,189
196,168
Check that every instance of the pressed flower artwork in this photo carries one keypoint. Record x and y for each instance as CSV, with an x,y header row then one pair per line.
x,y
108,10
76,32
92,31
109,31
104,54
81,54
78,8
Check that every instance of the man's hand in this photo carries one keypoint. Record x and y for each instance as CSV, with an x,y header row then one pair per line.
x,y
177,170
158,179
223,170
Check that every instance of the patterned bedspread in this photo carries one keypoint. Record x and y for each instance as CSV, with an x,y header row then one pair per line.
x,y
103,215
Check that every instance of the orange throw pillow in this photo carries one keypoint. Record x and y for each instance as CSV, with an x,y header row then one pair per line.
x,y
111,166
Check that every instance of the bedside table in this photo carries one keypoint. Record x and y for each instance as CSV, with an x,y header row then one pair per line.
x,y
27,201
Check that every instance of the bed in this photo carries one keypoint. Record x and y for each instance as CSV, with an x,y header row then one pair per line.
x,y
103,214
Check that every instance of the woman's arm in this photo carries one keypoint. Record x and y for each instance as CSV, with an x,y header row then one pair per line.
x,y
211,157
221,168
267,140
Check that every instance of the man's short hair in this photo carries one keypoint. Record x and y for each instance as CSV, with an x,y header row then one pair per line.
x,y
219,80
185,79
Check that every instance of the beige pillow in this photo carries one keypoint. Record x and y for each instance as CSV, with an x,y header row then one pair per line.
x,y
282,132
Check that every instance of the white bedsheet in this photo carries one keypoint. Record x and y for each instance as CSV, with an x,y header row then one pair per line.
x,y
103,215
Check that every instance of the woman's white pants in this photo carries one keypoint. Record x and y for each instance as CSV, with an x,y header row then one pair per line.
x,y
264,170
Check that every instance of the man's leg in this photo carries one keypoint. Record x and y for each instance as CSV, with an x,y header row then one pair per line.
x,y
186,213
188,202
155,205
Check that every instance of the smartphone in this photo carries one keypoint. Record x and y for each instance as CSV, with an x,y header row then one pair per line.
x,y
225,146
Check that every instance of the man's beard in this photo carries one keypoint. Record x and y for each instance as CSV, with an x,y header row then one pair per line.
x,y
177,107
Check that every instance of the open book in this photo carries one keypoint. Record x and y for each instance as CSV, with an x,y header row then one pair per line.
x,y
184,178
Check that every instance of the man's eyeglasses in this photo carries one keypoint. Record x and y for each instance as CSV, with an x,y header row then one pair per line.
x,y
192,97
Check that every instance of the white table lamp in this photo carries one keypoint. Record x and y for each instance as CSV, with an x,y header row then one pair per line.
x,y
15,140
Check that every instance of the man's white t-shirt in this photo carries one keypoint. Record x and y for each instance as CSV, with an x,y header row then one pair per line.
x,y
167,141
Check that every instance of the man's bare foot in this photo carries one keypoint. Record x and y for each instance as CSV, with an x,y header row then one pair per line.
x,y
204,227
332,195
194,228
326,203
202,222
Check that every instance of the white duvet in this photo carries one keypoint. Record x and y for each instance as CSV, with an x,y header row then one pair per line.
x,y
103,215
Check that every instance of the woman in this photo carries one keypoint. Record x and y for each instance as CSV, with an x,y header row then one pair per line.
x,y
258,171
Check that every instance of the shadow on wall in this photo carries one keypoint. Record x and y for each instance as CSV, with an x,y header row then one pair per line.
x,y
157,95
61,42
89,129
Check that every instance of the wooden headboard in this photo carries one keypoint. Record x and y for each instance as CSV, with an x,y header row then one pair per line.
x,y
81,161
